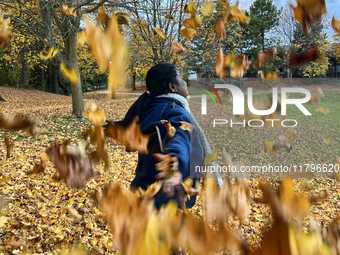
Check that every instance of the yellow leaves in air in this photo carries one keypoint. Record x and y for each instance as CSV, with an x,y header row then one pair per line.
x,y
71,75
220,29
109,49
130,136
235,12
190,8
177,47
82,38
151,191
322,110
159,32
295,206
308,10
188,33
167,165
12,122
170,130
194,21
210,158
236,64
336,24
186,126
268,146
52,52
191,23
68,11
207,8
103,17
264,57
5,33
96,116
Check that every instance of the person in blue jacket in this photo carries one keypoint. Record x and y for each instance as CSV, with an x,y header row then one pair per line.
x,y
165,99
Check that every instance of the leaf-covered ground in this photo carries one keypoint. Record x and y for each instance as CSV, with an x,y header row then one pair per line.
x,y
43,216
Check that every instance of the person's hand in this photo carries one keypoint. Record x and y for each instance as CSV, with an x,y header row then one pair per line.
x,y
172,184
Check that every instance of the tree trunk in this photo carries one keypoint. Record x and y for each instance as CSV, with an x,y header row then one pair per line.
x,y
55,79
42,79
50,80
134,81
76,89
24,70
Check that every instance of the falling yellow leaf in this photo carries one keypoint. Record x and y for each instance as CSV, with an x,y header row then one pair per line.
x,y
171,131
190,8
177,47
159,32
82,38
207,8
68,11
71,75
50,54
336,24
220,29
210,158
188,33
152,190
5,33
240,15
186,126
193,22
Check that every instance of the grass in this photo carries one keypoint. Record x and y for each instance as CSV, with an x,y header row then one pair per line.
x,y
247,144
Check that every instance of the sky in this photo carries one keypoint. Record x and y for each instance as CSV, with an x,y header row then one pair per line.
x,y
333,6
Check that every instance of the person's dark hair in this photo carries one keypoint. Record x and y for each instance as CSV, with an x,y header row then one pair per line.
x,y
157,83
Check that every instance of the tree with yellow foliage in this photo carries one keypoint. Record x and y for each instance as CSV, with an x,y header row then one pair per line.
x,y
56,24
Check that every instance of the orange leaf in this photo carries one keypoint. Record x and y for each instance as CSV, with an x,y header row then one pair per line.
x,y
186,126
177,47
68,11
311,55
171,131
263,57
336,24
220,29
129,136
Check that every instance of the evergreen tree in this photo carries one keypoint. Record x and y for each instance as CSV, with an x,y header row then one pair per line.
x,y
264,16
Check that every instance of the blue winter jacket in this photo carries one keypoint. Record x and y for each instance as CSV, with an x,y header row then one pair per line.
x,y
184,145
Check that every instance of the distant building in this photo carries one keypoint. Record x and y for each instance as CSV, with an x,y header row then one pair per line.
x,y
333,69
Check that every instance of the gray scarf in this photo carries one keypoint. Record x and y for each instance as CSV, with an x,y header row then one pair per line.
x,y
203,138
